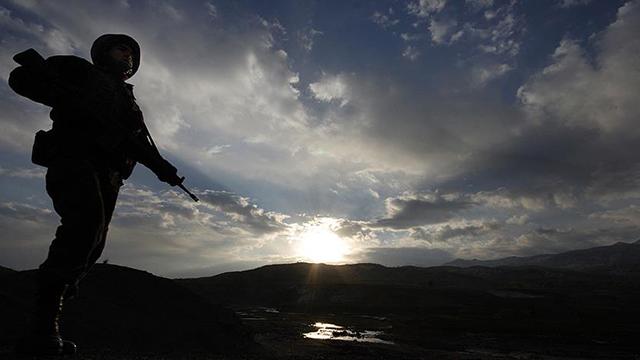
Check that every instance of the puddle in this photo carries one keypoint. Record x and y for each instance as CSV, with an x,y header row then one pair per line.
x,y
257,313
326,331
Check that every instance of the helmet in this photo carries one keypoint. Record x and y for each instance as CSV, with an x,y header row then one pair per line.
x,y
104,43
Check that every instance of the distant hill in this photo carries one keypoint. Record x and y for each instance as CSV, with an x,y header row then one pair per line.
x,y
123,308
619,257
372,287
307,286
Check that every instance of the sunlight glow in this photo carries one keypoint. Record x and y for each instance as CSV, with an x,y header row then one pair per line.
x,y
319,244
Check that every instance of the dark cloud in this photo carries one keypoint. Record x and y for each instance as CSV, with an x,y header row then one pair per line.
x,y
244,212
354,229
164,231
179,209
430,130
629,215
551,159
555,240
216,269
577,144
26,231
19,211
225,213
414,210
469,232
416,256
24,173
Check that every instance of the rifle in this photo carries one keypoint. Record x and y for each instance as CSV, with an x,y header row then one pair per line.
x,y
153,145
30,58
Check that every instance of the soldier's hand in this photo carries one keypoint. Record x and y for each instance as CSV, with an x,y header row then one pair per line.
x,y
167,173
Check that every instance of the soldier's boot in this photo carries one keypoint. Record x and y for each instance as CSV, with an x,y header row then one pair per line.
x,y
45,338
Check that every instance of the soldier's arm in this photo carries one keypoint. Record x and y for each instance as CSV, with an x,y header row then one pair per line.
x,y
143,151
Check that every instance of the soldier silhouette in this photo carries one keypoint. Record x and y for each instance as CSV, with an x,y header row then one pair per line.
x,y
98,136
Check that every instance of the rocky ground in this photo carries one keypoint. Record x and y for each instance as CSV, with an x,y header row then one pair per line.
x,y
280,335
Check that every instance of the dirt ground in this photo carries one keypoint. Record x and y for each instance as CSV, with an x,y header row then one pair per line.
x,y
280,336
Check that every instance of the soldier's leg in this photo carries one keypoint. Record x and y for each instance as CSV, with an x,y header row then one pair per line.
x,y
110,187
75,191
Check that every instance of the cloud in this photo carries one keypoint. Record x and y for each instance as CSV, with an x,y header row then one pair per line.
x,y
479,4
503,34
236,87
307,37
578,92
579,110
217,149
541,240
518,219
24,212
424,8
394,157
442,31
411,53
331,88
27,230
242,211
53,38
384,20
402,256
219,211
215,269
211,9
552,164
576,144
466,232
163,231
572,3
409,37
357,230
412,210
481,75
498,34
24,173
629,215
555,240
420,131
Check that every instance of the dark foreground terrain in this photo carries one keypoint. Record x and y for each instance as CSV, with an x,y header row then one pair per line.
x,y
583,307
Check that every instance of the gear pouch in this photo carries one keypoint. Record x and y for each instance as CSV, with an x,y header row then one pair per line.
x,y
45,148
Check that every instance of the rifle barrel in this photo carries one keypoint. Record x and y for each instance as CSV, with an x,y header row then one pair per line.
x,y
195,198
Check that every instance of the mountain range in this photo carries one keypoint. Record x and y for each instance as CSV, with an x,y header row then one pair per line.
x,y
624,257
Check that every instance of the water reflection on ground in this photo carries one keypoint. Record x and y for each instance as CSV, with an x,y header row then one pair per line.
x,y
357,328
326,331
256,313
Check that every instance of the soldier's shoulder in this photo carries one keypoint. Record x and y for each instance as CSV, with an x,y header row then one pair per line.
x,y
69,60
72,68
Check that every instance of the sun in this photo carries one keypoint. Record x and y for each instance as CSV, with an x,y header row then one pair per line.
x,y
319,244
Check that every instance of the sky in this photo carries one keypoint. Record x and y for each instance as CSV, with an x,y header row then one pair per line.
x,y
395,132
